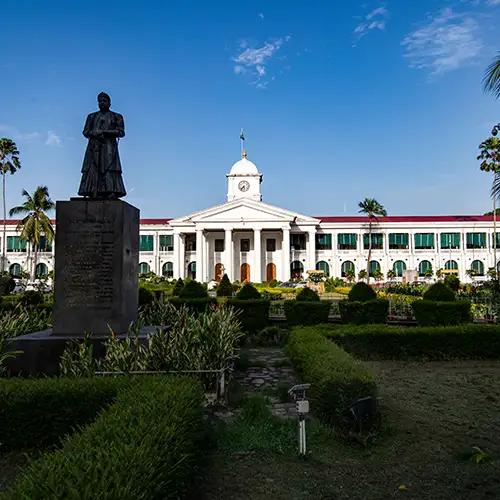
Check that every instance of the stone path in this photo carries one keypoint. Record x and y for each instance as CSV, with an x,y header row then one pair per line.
x,y
270,372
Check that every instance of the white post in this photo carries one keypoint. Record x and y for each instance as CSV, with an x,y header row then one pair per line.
x,y
199,255
257,251
181,256
228,253
285,250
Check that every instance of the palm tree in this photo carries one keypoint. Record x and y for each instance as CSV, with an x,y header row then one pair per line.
x,y
9,163
373,209
36,223
491,80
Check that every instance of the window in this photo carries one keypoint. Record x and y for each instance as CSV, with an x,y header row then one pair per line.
x,y
190,243
348,269
323,266
245,245
166,243
15,270
191,270
424,241
43,245
497,241
478,267
41,270
450,241
323,241
219,245
296,269
377,241
298,241
144,268
476,240
424,267
398,241
271,245
399,267
374,267
451,265
15,244
347,241
167,270
146,243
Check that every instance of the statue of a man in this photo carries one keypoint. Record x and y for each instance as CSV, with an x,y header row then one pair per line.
x,y
102,170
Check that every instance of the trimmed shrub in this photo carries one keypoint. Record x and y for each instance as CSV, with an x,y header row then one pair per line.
x,y
307,294
248,292
420,343
146,297
336,378
193,290
36,413
434,313
452,281
253,313
196,305
7,284
225,289
270,336
362,292
370,311
179,285
31,298
155,425
306,313
440,292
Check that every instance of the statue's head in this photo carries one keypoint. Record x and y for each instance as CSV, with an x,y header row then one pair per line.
x,y
104,101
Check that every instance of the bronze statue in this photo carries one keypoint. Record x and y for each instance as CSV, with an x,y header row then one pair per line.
x,y
102,170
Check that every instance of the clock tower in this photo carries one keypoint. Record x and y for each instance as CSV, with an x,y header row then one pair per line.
x,y
243,181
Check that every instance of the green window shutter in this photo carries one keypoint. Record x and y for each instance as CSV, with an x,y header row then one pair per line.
x,y
349,240
166,242
377,240
476,240
399,268
10,243
146,243
324,241
424,240
398,240
450,240
498,240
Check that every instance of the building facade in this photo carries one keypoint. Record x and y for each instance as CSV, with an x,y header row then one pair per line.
x,y
249,239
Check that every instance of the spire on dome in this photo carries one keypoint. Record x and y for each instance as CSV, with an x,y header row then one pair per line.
x,y
242,144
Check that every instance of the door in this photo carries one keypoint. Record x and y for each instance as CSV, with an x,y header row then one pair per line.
x,y
219,271
270,272
245,272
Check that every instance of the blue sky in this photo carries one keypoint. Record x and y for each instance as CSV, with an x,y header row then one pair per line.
x,y
340,100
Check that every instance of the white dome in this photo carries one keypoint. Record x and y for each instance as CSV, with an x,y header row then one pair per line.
x,y
244,167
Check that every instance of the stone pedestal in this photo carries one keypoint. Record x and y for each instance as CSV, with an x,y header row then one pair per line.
x,y
96,267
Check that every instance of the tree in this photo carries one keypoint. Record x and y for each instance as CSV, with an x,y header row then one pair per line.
x,y
491,80
429,273
36,223
9,164
378,275
362,274
350,275
373,209
391,275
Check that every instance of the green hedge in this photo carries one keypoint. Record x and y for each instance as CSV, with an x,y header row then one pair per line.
x,y
371,311
254,314
471,341
336,378
429,312
36,413
195,305
144,446
306,313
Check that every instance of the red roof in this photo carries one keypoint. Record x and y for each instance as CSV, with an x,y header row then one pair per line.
x,y
409,218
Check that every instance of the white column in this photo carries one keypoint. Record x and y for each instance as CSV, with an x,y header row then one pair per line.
x,y
285,251
199,255
181,256
228,253
311,250
176,240
257,252
206,256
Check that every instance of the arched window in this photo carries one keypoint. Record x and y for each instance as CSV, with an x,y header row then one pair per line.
x,y
41,270
15,270
191,271
323,266
451,265
347,268
296,269
374,266
423,267
270,272
399,267
168,270
144,268
478,267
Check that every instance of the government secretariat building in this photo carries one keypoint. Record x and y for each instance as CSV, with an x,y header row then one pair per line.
x,y
249,239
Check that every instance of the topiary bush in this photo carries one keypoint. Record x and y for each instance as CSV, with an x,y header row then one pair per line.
x,y
452,281
7,284
197,305
307,312
179,285
31,298
224,289
370,311
248,292
434,313
146,297
253,313
307,294
193,290
439,291
361,292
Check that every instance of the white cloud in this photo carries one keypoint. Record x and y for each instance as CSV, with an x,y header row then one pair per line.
x,y
17,135
254,61
374,20
53,139
261,15
447,42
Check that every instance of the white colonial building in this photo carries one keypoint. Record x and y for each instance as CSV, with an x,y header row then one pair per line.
x,y
252,240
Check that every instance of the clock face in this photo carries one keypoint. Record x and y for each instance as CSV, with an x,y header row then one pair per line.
x,y
243,186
